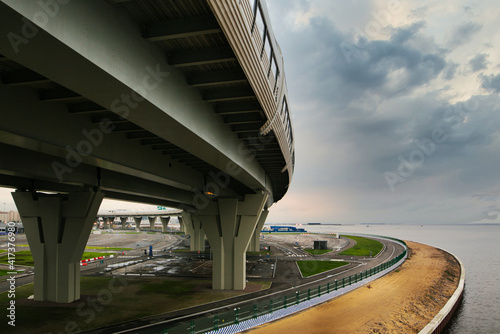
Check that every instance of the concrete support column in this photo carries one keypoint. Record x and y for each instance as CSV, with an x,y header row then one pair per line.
x,y
255,243
138,221
164,224
152,222
105,223
193,227
124,222
57,228
182,226
197,235
113,222
229,225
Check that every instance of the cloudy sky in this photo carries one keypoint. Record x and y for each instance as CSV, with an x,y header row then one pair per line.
x,y
395,108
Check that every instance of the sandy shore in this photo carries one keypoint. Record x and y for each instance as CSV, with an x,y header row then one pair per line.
x,y
402,302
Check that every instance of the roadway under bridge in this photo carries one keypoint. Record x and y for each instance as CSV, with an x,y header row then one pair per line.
x,y
178,103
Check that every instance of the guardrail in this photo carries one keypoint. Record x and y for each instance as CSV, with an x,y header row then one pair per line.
x,y
248,316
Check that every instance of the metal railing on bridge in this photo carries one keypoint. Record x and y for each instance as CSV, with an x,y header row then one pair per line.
x,y
220,322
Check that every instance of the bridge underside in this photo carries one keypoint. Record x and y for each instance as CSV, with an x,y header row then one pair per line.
x,y
143,101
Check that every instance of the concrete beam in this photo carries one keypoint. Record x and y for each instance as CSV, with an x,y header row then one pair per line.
x,y
25,77
237,107
228,94
104,45
201,57
182,28
204,79
57,228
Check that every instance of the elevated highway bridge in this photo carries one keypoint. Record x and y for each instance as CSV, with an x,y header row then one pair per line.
x,y
179,103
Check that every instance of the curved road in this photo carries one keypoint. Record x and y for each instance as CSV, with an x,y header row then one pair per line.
x,y
287,280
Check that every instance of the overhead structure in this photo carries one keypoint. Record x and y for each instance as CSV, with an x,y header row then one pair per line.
x,y
177,103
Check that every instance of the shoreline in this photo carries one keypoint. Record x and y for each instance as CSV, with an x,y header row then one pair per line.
x,y
406,300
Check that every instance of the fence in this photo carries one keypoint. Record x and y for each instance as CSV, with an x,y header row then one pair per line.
x,y
248,316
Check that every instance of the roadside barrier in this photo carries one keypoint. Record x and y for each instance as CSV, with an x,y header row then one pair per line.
x,y
439,322
248,316
86,261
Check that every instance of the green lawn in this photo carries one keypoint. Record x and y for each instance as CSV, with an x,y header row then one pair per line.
x,y
108,248
4,272
363,247
309,268
317,251
24,258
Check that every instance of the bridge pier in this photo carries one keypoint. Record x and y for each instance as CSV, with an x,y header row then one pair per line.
x,y
114,222
57,227
193,227
255,242
152,222
229,225
164,223
182,225
138,223
198,236
124,222
105,223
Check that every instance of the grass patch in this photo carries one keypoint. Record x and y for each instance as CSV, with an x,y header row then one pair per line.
x,y
257,253
4,272
108,248
127,298
24,258
363,247
309,268
317,251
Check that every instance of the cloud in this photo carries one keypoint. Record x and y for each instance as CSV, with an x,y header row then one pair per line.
x,y
347,67
491,82
450,70
463,33
479,62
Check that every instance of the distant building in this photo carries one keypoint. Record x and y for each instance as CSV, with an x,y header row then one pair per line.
x,y
10,216
283,229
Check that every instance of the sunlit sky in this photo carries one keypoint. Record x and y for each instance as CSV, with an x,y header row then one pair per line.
x,y
395,108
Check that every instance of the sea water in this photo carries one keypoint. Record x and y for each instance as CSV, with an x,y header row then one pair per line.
x,y
475,245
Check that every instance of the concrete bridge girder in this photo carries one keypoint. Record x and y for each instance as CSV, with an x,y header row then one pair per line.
x,y
114,54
